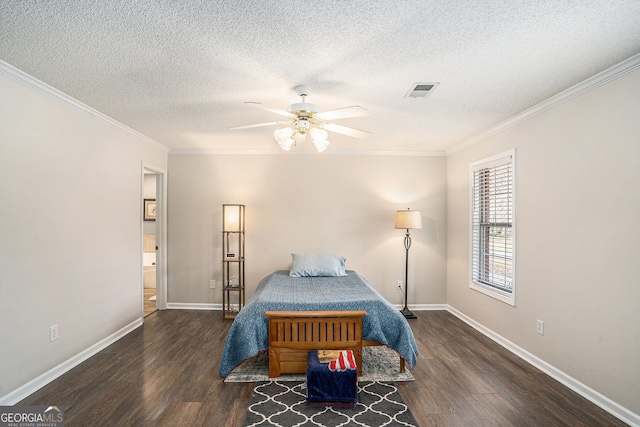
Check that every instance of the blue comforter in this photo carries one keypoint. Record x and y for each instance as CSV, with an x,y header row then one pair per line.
x,y
280,292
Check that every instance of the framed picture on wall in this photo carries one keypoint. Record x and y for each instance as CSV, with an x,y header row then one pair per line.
x,y
149,209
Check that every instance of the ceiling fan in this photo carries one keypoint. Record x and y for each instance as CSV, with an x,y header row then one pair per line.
x,y
305,118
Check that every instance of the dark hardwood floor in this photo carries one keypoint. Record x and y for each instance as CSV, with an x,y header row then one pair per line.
x,y
165,373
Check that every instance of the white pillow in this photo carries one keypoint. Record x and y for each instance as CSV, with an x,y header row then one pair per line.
x,y
313,265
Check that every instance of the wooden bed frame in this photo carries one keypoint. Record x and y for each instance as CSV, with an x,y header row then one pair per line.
x,y
292,334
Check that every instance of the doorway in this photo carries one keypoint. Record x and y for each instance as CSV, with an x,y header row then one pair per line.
x,y
153,232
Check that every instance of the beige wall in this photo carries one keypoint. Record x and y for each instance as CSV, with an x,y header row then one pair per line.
x,y
577,207
70,221
308,203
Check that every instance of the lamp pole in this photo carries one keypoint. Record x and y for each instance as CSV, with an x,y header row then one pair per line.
x,y
407,244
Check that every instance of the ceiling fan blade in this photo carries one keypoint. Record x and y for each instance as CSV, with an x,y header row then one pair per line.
x,y
258,125
344,130
272,109
343,113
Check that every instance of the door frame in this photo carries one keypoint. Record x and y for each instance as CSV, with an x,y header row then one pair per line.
x,y
161,236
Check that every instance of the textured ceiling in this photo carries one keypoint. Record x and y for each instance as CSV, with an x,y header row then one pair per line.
x,y
180,71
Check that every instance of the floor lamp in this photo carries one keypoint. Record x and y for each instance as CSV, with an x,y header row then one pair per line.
x,y
408,220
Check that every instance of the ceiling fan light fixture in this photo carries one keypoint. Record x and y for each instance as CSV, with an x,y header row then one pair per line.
x,y
300,137
319,139
284,138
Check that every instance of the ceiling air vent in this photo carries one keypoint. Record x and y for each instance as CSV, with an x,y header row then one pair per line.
x,y
421,90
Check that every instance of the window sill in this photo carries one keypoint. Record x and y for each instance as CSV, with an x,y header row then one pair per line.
x,y
494,293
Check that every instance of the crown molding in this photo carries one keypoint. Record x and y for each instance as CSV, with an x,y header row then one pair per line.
x,y
581,88
53,93
235,152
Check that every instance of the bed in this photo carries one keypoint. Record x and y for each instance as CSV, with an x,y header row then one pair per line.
x,y
383,324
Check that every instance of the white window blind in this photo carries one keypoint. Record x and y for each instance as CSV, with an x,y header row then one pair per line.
x,y
493,226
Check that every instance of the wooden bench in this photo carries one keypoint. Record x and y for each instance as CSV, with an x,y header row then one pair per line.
x,y
292,334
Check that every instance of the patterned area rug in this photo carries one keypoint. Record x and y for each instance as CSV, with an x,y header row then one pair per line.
x,y
283,404
379,363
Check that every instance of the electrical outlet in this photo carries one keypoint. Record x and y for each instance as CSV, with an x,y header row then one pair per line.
x,y
540,327
399,284
212,284
53,333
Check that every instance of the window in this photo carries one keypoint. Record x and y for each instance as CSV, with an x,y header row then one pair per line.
x,y
493,226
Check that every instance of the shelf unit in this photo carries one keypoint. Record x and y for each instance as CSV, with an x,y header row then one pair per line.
x,y
233,284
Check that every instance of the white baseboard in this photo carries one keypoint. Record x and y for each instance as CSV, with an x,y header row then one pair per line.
x,y
192,306
37,383
425,307
588,393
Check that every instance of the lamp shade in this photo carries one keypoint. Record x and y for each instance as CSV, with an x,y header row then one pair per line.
x,y
232,217
284,138
319,138
408,219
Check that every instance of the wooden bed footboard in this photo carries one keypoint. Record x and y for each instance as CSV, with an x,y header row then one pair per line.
x,y
292,334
